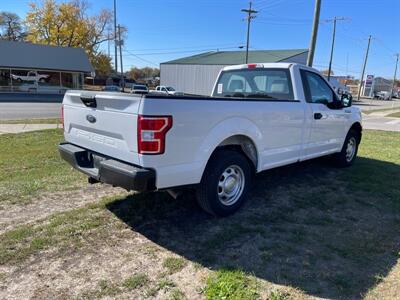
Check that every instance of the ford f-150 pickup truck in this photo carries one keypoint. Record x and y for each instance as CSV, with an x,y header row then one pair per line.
x,y
259,116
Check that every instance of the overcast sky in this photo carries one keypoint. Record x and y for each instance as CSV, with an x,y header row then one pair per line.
x,y
161,30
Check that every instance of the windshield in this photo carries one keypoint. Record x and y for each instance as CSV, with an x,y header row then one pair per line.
x,y
140,87
255,83
170,89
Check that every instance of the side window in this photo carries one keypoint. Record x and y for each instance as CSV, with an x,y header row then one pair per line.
x,y
316,89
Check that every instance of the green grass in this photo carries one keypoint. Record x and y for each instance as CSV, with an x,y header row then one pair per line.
x,y
32,121
231,284
136,281
319,230
30,164
176,294
394,115
377,169
174,264
61,230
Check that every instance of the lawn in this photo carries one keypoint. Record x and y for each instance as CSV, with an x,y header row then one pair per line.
x,y
395,115
30,164
308,231
32,121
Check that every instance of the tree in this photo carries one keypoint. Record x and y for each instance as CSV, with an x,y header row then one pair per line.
x,y
11,28
68,24
146,72
102,64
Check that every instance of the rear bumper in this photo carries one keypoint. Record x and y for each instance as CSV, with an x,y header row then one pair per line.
x,y
108,170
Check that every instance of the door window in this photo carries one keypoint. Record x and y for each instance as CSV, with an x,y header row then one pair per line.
x,y
316,89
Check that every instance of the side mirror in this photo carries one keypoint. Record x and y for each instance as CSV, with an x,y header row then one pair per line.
x,y
346,100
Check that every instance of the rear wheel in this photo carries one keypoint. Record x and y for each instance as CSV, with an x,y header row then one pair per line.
x,y
349,150
225,183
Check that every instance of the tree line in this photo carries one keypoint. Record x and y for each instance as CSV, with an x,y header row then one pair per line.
x,y
66,24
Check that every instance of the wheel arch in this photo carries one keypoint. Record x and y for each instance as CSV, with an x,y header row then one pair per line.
x,y
242,144
356,126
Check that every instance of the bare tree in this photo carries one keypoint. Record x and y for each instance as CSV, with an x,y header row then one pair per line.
x,y
11,28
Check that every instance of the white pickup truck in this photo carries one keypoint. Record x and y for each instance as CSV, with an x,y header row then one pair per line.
x,y
162,89
259,116
30,76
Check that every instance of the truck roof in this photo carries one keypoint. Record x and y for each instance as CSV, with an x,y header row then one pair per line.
x,y
280,65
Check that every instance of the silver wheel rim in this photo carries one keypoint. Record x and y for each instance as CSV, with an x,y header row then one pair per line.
x,y
231,185
351,149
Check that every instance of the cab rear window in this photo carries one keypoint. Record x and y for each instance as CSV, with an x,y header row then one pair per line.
x,y
255,83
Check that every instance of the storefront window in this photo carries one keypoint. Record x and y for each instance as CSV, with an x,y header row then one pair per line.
x,y
77,80
66,80
48,78
5,81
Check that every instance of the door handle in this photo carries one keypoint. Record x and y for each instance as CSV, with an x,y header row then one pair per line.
x,y
317,116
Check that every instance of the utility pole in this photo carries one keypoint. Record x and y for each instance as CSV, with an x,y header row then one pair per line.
x,y
108,43
333,44
120,43
363,69
314,33
115,38
249,17
394,77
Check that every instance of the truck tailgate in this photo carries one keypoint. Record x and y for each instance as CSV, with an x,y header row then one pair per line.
x,y
103,122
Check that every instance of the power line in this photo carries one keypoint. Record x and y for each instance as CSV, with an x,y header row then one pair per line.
x,y
142,59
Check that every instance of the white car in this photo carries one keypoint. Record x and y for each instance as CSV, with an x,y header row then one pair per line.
x,y
30,76
169,90
260,116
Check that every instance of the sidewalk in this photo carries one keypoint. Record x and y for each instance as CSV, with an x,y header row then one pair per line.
x,y
18,128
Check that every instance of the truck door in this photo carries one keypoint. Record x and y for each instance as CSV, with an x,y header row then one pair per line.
x,y
327,124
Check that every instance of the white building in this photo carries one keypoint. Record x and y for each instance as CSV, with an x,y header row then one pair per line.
x,y
196,74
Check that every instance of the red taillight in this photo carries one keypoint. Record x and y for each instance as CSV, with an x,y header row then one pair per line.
x,y
62,116
251,66
151,133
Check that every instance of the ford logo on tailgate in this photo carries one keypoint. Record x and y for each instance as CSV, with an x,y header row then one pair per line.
x,y
91,118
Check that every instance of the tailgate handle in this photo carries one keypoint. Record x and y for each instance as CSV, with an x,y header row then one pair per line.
x,y
89,101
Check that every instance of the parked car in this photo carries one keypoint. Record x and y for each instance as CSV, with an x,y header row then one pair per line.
x,y
30,76
383,95
139,89
169,90
112,88
259,116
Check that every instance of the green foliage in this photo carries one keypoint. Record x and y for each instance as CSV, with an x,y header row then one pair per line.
x,y
136,281
174,264
231,284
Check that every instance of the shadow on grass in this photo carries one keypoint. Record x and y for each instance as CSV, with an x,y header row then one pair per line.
x,y
331,233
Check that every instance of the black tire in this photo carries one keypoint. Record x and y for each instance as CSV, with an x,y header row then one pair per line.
x,y
343,159
233,164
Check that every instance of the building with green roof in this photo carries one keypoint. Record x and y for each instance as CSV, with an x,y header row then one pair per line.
x,y
196,74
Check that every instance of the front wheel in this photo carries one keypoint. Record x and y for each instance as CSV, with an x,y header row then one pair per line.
x,y
225,183
348,154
